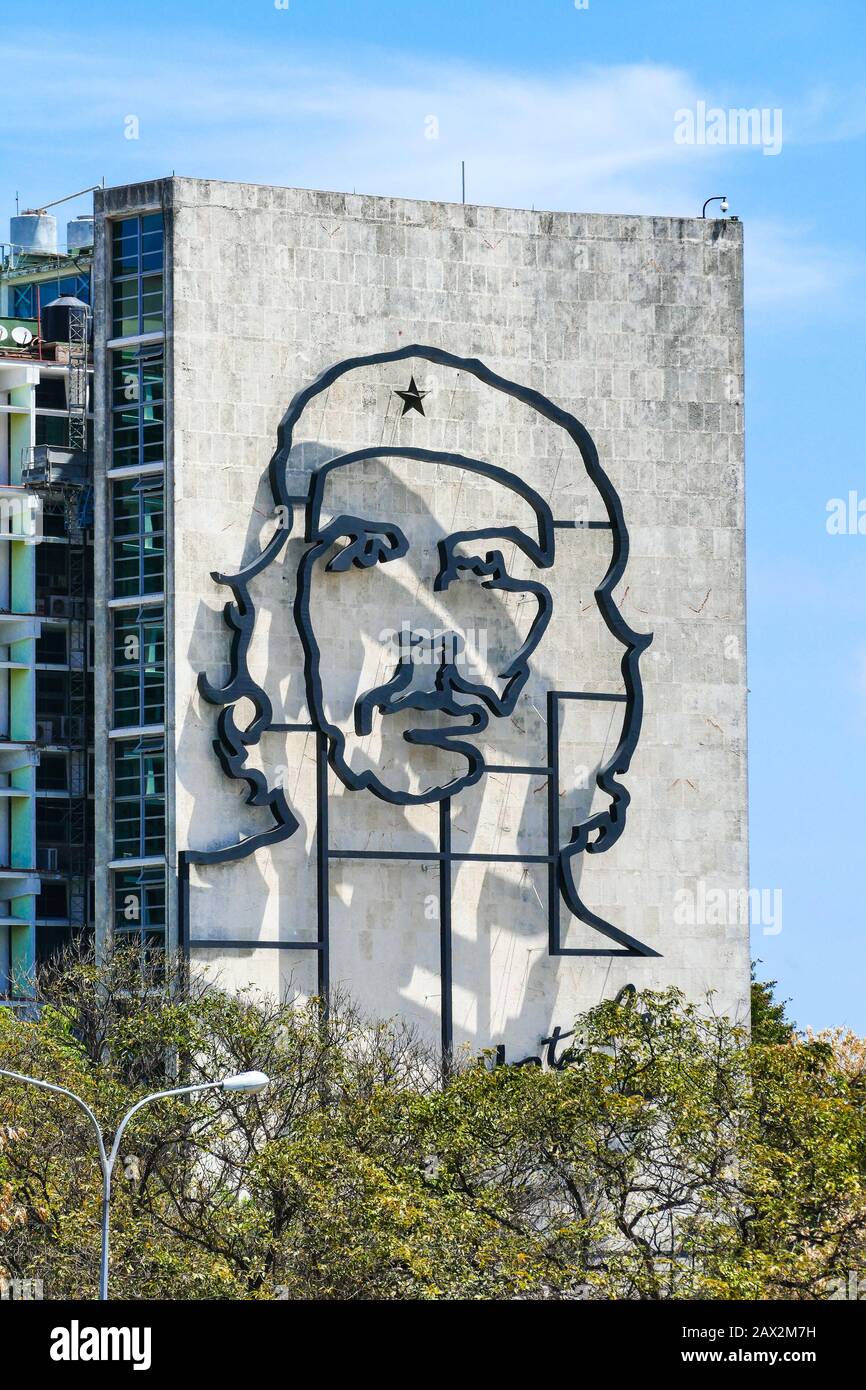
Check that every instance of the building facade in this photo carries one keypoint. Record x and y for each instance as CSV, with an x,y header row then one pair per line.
x,y
46,605
419,646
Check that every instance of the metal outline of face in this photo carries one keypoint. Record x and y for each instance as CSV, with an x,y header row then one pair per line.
x,y
231,744
517,671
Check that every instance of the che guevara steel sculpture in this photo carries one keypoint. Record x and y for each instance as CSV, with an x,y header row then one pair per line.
x,y
431,699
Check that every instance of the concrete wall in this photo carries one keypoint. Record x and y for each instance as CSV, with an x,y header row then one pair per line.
x,y
634,325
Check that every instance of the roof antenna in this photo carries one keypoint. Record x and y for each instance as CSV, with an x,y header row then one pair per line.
x,y
463,177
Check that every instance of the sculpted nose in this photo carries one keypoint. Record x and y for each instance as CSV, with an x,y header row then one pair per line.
x,y
428,654
448,649
434,651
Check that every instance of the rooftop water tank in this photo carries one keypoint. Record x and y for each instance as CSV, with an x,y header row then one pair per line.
x,y
79,232
34,232
55,318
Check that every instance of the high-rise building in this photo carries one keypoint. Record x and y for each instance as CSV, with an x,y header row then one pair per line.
x,y
46,603
419,647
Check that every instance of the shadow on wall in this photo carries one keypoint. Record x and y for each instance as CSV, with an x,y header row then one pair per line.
x,y
512,901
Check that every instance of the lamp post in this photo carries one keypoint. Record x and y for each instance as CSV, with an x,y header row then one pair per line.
x,y
250,1082
719,199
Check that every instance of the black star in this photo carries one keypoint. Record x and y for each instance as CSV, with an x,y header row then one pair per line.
x,y
412,398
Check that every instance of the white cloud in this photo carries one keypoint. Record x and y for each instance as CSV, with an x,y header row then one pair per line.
x,y
601,139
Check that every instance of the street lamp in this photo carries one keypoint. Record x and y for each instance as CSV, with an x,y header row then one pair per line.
x,y
251,1082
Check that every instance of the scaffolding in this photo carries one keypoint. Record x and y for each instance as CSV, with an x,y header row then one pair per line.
x,y
77,380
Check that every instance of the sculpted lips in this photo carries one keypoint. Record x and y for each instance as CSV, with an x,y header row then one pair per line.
x,y
389,698
442,735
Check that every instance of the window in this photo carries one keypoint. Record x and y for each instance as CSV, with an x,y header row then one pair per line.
x,y
24,302
52,773
51,429
139,906
138,536
137,400
139,667
136,266
51,393
27,300
139,799
54,520
51,647
53,901
52,570
50,941
52,823
52,689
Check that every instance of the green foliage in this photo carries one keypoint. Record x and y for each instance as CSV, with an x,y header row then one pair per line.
x,y
671,1157
770,1023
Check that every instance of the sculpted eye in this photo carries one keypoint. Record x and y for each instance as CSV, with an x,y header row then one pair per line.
x,y
365,547
468,567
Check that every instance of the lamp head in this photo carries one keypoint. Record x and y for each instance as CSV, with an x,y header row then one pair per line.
x,y
250,1081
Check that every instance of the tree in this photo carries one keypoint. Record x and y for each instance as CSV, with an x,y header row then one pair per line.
x,y
11,1213
669,1157
770,1023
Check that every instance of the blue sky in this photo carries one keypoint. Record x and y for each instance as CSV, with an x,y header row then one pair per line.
x,y
560,107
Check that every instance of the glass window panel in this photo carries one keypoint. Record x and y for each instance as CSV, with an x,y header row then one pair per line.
x,y
125,322
50,429
28,299
139,899
124,384
138,434
152,378
139,681
139,800
137,263
139,540
151,254
126,699
24,302
125,246
151,304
